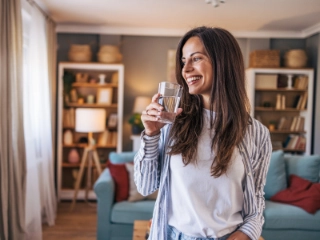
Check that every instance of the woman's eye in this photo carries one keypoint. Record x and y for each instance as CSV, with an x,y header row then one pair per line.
x,y
195,59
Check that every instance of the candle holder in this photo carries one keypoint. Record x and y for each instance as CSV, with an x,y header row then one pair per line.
x,y
289,81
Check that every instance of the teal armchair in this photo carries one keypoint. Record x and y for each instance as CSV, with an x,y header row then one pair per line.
x,y
115,219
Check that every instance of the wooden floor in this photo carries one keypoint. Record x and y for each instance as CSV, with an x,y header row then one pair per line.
x,y
80,224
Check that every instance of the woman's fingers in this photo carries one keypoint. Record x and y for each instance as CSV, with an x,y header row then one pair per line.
x,y
154,107
179,110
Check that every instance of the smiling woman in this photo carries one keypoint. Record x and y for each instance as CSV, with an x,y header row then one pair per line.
x,y
205,182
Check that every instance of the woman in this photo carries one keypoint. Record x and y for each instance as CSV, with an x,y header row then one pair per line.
x,y
210,165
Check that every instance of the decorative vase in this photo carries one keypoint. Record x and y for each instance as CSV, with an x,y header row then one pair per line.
x,y
73,156
136,130
68,137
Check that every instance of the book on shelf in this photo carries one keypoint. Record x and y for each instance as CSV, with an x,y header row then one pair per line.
x,y
285,123
301,144
304,101
295,141
297,124
301,101
68,118
281,123
301,82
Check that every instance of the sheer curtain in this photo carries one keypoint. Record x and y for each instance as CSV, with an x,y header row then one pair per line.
x,y
38,120
12,146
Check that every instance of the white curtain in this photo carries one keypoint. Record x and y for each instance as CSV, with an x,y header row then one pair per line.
x,y
40,191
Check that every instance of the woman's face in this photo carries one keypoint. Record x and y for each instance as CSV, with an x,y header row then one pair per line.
x,y
197,69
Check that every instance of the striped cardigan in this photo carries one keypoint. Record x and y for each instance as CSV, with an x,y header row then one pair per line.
x,y
151,166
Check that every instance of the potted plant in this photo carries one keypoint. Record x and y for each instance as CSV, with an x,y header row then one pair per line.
x,y
136,123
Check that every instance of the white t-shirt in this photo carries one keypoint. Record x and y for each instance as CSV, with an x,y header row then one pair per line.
x,y
204,206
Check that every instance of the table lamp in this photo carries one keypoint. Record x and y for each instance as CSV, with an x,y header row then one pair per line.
x,y
88,120
140,104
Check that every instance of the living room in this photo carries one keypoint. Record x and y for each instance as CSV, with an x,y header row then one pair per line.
x,y
144,49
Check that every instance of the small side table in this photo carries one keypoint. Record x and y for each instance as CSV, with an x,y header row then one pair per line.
x,y
140,229
136,142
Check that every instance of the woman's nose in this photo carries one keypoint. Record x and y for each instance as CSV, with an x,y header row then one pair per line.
x,y
187,66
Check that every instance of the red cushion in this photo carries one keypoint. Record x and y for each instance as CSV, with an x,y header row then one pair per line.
x,y
301,193
120,177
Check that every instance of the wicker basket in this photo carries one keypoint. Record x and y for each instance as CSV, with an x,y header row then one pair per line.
x,y
265,58
79,53
295,58
109,54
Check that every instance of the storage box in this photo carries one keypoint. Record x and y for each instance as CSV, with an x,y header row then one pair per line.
x,y
266,81
265,58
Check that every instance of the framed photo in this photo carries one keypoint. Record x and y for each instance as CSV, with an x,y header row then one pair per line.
x,y
104,95
112,121
171,65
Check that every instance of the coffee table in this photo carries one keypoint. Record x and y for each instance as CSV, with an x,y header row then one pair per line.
x,y
140,229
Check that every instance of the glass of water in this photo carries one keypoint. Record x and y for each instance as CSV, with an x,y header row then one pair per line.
x,y
170,94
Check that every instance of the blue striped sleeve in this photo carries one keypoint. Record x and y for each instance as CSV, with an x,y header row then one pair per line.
x,y
146,163
259,153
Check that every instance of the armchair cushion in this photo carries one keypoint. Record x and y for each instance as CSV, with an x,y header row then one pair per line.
x,y
127,212
124,157
307,167
276,176
281,216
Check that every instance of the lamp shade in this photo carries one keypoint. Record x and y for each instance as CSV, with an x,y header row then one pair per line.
x,y
90,120
140,104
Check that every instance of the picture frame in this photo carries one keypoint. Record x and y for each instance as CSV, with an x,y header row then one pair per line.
x,y
171,65
104,96
112,121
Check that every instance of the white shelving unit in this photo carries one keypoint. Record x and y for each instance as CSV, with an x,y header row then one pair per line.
x,y
65,178
257,97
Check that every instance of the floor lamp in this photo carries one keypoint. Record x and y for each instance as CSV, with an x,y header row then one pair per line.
x,y
88,120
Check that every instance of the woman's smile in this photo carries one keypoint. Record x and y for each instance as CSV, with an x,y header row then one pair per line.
x,y
197,68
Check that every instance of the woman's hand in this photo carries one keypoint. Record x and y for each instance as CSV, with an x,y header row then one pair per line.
x,y
238,235
150,116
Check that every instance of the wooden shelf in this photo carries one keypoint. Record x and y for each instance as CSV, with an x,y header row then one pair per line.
x,y
94,85
76,165
280,90
293,150
289,150
92,105
85,145
302,95
288,132
271,109
66,120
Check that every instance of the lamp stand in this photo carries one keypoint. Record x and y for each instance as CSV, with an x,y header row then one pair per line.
x,y
89,154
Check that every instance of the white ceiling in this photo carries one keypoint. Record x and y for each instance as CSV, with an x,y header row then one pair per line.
x,y
260,18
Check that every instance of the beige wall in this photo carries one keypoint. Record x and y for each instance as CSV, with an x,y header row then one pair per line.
x,y
145,62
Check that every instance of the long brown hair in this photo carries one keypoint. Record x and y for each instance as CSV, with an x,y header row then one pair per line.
x,y
228,99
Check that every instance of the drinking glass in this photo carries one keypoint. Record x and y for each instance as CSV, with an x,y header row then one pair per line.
x,y
170,94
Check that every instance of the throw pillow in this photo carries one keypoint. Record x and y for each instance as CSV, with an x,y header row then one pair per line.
x,y
123,157
134,195
276,175
307,167
120,177
301,193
